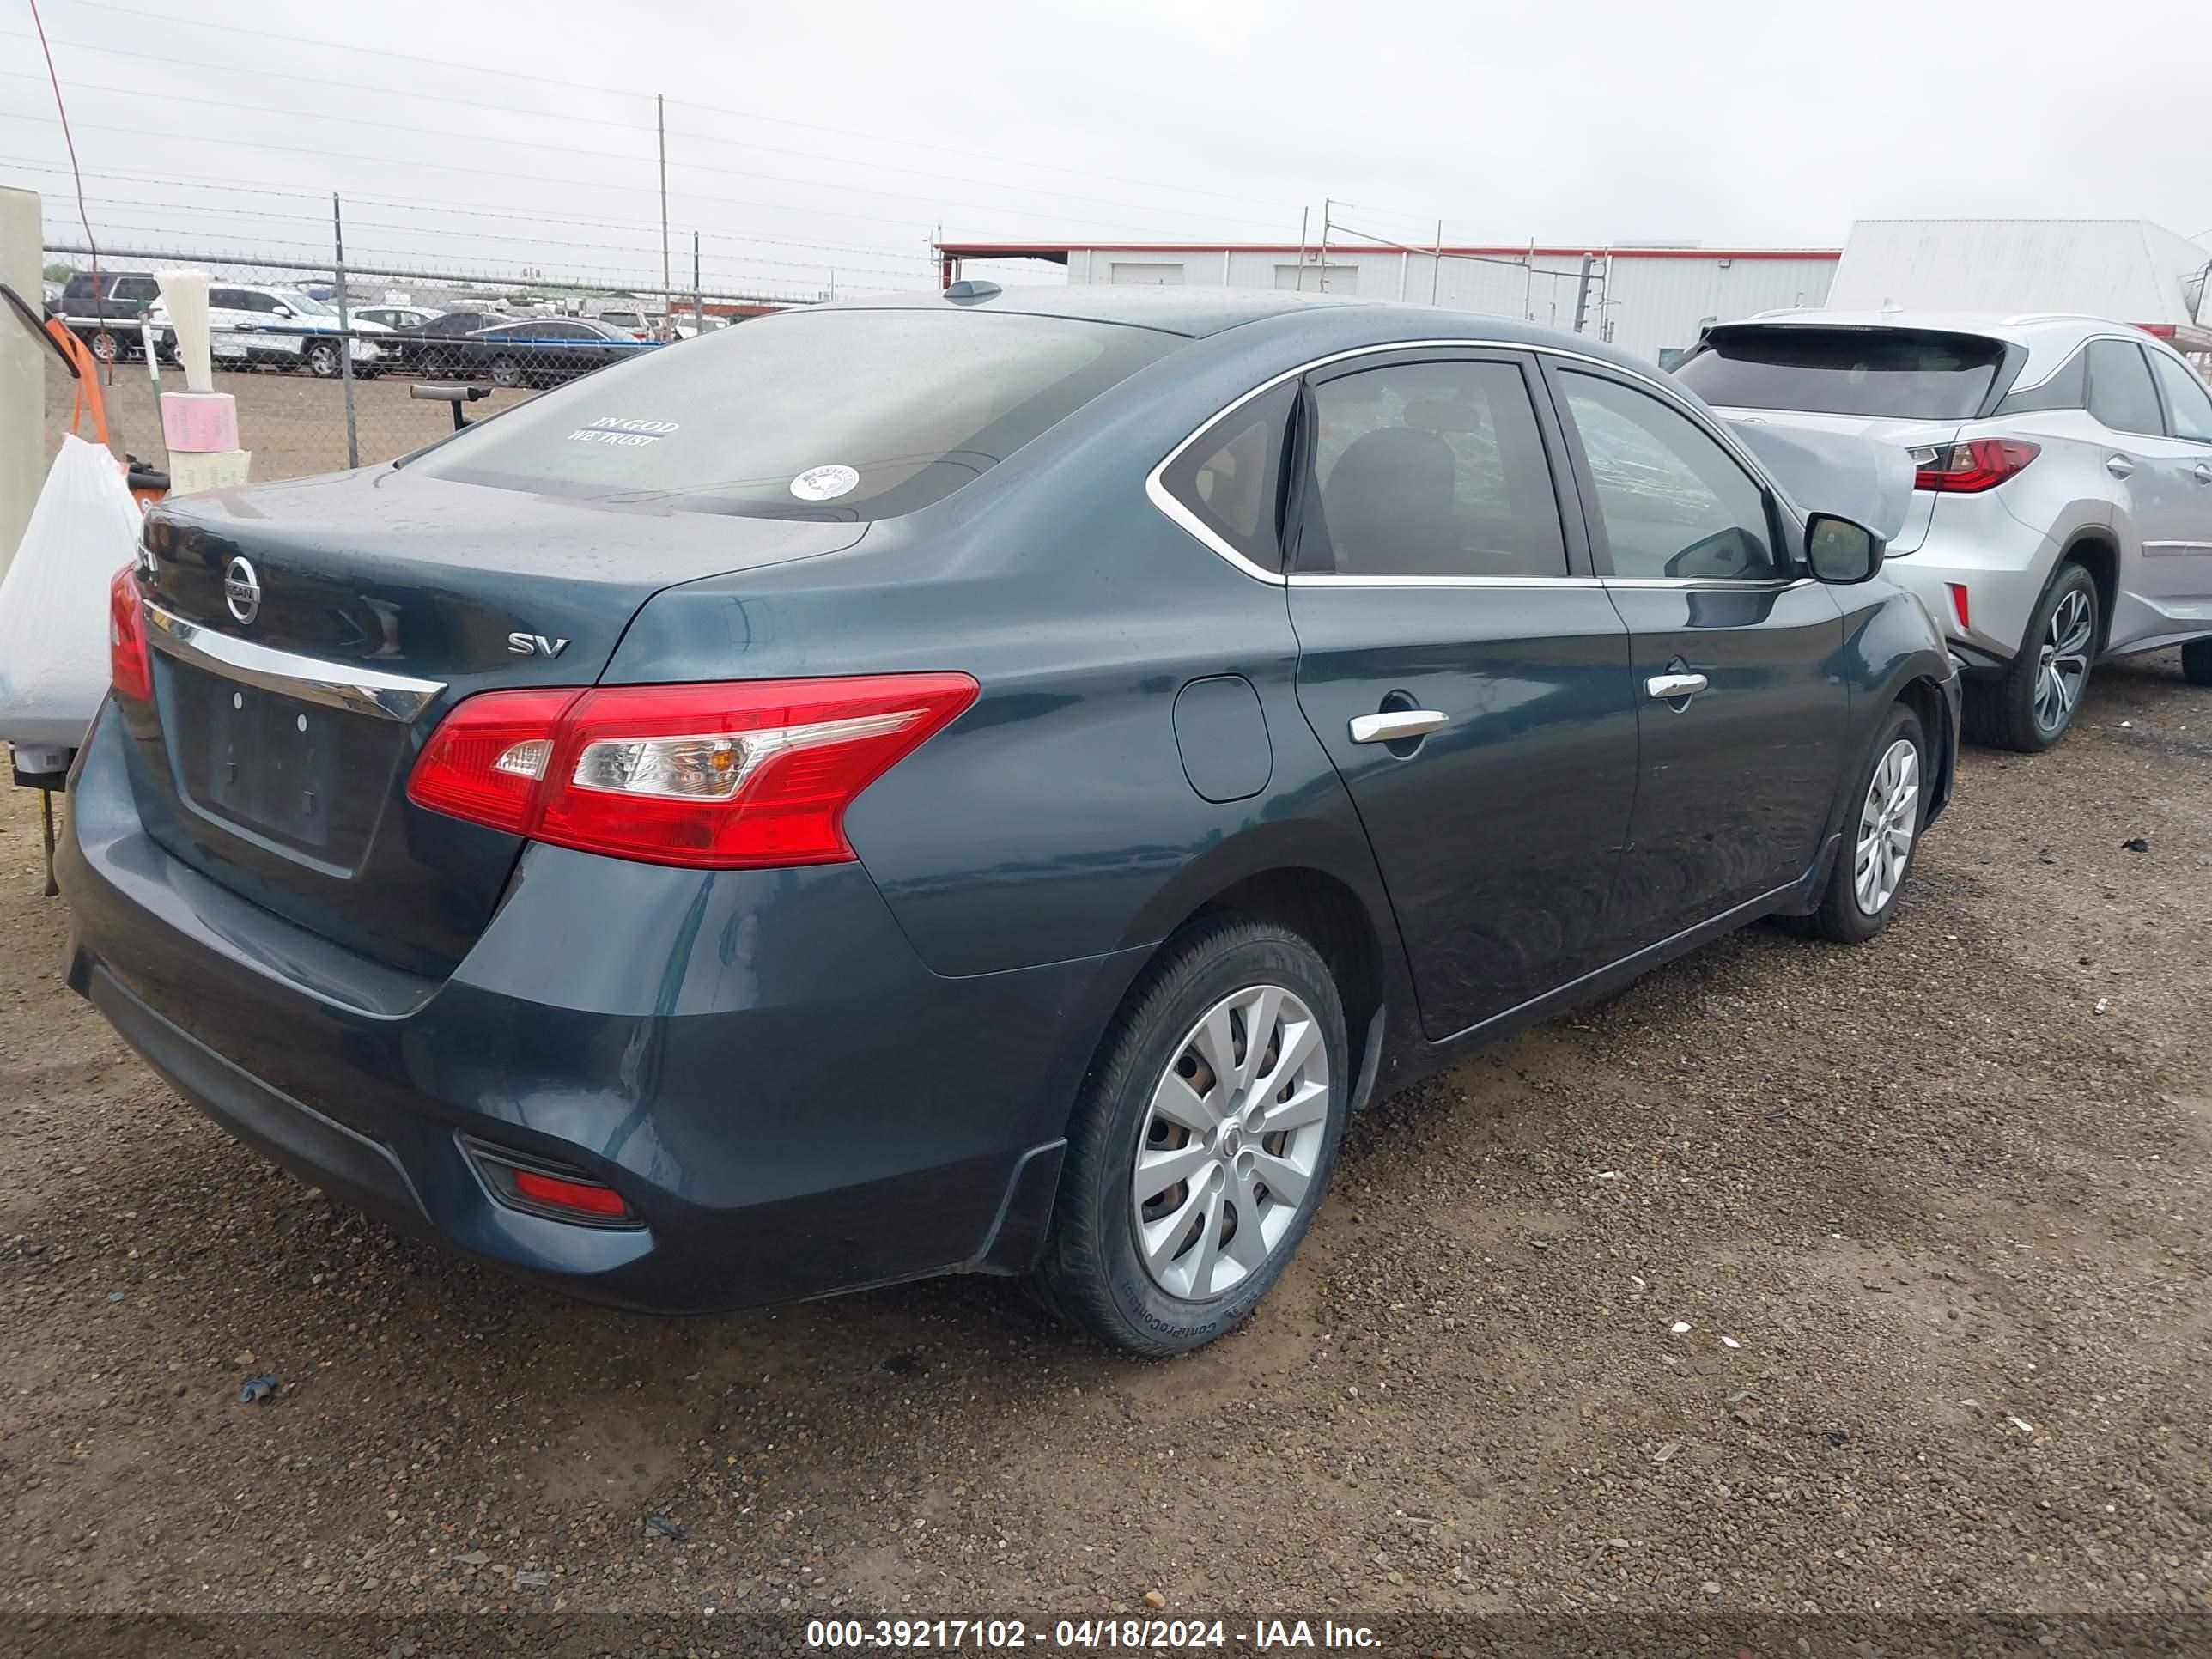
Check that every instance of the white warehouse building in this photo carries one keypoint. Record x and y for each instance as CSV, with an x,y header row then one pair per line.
x,y
1650,301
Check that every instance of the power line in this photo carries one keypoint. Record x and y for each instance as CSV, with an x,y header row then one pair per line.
x,y
471,137
571,117
441,204
353,224
715,109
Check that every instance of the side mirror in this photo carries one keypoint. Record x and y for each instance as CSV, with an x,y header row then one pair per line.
x,y
1840,551
281,311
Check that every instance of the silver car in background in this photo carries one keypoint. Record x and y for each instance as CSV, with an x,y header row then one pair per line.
x,y
2062,508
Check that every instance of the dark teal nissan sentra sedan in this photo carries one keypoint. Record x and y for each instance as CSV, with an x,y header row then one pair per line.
x,y
981,783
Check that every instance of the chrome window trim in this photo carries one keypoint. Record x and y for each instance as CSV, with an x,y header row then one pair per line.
x,y
2174,550
1162,498
335,685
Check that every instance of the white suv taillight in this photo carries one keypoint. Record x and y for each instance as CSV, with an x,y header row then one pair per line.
x,y
1969,468
723,776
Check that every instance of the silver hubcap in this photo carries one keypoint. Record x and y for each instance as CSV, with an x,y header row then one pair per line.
x,y
1230,1143
2063,664
1887,823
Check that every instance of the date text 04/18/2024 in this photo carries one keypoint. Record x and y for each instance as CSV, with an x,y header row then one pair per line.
x,y
1109,1635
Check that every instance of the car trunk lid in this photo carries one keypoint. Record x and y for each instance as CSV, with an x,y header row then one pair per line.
x,y
309,636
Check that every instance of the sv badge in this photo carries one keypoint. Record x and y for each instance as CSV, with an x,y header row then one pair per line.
x,y
535,645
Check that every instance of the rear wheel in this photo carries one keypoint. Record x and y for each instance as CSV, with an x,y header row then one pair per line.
x,y
2030,706
507,371
106,347
1881,836
323,360
1203,1141
2197,662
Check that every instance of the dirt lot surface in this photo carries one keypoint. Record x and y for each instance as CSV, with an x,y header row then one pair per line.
x,y
293,423
1796,1279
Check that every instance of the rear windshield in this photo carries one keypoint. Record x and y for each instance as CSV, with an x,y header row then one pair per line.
x,y
850,415
1903,374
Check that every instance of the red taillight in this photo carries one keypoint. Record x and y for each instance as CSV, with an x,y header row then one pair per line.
x,y
1958,604
585,1197
732,775
487,759
1970,467
128,664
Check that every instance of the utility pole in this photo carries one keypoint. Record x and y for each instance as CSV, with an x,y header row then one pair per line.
x,y
698,293
1436,270
1304,217
1582,294
345,327
1326,208
660,124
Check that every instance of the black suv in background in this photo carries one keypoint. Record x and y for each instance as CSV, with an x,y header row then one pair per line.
x,y
104,314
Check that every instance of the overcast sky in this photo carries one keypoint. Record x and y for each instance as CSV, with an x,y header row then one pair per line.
x,y
800,138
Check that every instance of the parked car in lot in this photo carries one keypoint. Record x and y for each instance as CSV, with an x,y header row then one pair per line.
x,y
431,347
979,783
545,350
394,317
283,327
2064,507
105,314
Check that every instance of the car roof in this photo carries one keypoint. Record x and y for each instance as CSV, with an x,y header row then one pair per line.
x,y
2048,337
1200,311
1196,312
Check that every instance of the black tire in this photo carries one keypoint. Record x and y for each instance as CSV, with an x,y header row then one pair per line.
x,y
105,346
1841,917
323,360
434,365
2002,712
1090,1273
507,371
2197,662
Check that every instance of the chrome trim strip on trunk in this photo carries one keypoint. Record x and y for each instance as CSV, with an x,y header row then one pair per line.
x,y
335,685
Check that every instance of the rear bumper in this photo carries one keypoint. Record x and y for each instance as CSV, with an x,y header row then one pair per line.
x,y
756,1061
1976,544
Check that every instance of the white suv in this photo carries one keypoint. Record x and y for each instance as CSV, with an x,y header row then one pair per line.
x,y
248,326
2062,507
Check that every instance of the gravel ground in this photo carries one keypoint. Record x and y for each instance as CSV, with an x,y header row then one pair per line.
x,y
1797,1279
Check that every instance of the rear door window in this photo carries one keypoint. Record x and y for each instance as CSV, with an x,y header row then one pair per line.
x,y
1433,469
833,414
2121,393
2185,398
1894,374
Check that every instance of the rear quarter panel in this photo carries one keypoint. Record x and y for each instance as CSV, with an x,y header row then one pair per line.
x,y
1054,819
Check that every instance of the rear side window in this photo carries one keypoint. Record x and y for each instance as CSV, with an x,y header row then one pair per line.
x,y
1231,479
141,288
848,415
2067,388
1429,470
1895,373
2186,396
2121,394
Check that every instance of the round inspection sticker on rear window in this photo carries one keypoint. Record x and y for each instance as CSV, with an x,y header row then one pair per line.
x,y
824,484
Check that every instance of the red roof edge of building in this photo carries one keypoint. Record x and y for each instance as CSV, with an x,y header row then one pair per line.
x,y
1058,252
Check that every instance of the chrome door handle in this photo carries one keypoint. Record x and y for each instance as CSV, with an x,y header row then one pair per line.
x,y
2203,473
1668,687
1395,725
2118,465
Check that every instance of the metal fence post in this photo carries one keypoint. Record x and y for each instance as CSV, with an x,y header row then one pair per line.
x,y
345,329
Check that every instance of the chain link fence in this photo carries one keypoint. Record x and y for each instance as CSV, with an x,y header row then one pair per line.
x,y
331,372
